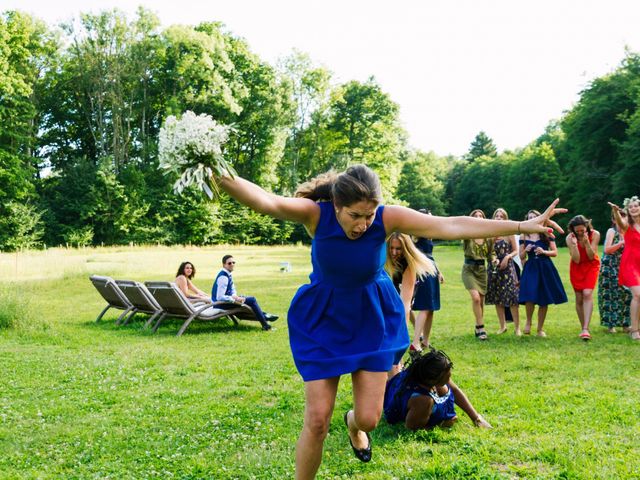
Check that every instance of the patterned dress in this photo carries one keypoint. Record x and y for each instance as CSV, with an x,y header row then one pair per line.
x,y
614,300
502,284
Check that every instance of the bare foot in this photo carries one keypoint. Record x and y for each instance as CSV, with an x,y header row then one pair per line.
x,y
518,332
501,331
541,333
527,329
611,330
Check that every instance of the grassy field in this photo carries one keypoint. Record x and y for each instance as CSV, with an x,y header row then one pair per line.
x,y
86,400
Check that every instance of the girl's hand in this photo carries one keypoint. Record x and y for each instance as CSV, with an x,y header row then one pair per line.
x,y
585,240
572,241
529,247
440,277
539,251
504,263
543,222
480,422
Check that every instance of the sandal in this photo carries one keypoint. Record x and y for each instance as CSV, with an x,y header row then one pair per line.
x,y
585,335
634,334
480,333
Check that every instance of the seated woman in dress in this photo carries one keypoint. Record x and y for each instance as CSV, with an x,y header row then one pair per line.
x,y
186,271
406,264
540,283
423,394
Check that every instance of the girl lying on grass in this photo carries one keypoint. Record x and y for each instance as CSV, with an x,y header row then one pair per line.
x,y
423,394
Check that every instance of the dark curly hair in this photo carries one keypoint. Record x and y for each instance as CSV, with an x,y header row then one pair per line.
x,y
427,367
182,267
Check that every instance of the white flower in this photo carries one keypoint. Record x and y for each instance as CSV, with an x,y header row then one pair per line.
x,y
192,148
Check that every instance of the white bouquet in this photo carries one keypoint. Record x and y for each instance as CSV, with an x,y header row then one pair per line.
x,y
192,147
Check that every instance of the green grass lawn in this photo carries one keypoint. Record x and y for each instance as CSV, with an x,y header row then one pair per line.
x,y
86,400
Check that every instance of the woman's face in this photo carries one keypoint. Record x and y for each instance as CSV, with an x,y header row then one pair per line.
x,y
477,215
188,270
499,215
634,209
531,216
580,231
395,249
356,218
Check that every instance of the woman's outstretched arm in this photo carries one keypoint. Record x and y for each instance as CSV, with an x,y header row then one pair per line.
x,y
300,210
405,220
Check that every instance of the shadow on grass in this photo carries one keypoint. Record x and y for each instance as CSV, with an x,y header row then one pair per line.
x,y
170,326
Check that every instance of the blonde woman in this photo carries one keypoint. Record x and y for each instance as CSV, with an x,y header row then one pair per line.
x,y
502,290
405,264
477,251
629,275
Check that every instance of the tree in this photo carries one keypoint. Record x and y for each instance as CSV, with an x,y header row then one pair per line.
x,y
482,146
309,87
421,182
594,131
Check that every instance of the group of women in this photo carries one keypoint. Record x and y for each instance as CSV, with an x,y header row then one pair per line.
x,y
491,276
349,319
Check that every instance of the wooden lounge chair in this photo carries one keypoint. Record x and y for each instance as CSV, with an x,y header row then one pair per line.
x,y
175,304
141,299
110,291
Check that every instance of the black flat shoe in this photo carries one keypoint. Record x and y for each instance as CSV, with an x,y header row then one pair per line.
x,y
270,317
362,454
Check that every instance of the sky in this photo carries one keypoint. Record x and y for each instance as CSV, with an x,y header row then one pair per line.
x,y
457,67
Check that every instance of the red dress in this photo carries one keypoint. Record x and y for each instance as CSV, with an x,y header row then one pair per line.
x,y
584,275
629,275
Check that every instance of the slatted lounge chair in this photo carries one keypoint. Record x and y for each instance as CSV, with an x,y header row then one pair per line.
x,y
175,304
141,299
110,291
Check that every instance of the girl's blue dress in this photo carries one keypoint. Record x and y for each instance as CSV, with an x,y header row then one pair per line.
x,y
540,282
349,317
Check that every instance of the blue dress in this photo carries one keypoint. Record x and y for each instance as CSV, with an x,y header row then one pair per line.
x,y
398,392
540,282
427,292
349,317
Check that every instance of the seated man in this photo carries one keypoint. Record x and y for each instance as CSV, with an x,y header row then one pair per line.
x,y
225,291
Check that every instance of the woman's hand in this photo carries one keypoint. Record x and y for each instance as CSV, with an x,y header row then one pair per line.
x,y
543,222
440,277
529,247
614,207
504,263
539,251
572,240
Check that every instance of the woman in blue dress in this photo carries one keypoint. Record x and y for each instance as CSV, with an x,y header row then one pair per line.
x,y
349,319
427,295
540,283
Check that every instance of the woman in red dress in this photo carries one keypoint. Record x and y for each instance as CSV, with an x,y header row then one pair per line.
x,y
629,275
584,267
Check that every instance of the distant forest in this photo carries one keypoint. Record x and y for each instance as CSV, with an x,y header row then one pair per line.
x,y
81,106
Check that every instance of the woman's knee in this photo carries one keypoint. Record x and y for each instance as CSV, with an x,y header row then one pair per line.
x,y
367,420
475,296
316,422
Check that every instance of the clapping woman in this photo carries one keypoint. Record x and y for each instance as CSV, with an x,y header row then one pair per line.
x,y
584,267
